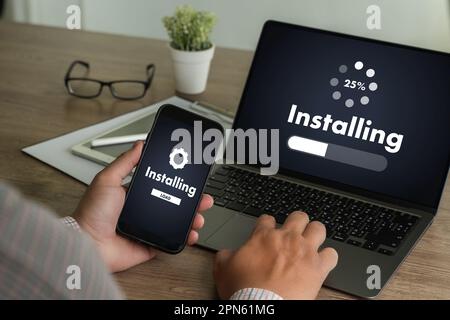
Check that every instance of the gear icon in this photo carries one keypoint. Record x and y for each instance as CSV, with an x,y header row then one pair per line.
x,y
184,156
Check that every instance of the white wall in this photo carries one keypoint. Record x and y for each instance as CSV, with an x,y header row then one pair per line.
x,y
423,23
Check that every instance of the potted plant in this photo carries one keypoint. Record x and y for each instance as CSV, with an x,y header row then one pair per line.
x,y
190,47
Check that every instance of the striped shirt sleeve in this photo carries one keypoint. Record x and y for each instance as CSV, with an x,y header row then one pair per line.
x,y
71,223
40,258
255,294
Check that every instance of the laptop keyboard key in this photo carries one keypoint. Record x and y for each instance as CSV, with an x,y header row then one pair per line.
x,y
386,251
339,236
393,244
220,202
386,237
214,192
219,178
235,205
230,197
371,245
399,237
256,212
215,184
270,210
354,242
231,189
223,171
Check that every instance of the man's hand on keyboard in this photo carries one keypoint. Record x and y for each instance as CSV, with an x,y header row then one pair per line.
x,y
286,260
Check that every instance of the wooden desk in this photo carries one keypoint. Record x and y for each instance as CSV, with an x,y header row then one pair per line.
x,y
34,106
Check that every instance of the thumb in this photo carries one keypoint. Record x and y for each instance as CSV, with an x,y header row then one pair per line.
x,y
123,165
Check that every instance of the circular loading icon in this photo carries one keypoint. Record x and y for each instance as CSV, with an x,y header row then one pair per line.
x,y
353,85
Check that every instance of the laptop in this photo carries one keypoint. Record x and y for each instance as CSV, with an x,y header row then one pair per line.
x,y
364,138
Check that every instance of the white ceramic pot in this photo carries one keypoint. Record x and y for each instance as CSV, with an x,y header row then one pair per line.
x,y
191,69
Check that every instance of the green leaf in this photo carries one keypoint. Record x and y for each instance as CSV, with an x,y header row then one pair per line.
x,y
188,29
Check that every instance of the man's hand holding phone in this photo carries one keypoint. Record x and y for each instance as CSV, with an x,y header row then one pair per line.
x,y
100,207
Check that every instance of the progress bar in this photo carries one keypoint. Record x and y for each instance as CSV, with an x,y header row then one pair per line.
x,y
350,156
165,196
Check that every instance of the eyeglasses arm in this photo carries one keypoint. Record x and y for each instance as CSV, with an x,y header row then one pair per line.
x,y
150,73
72,66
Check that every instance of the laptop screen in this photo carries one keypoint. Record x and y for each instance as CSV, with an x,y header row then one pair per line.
x,y
364,114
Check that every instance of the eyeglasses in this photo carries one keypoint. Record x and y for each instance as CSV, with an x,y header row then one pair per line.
x,y
121,89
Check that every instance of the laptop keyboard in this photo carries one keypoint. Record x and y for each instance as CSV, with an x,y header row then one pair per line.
x,y
354,222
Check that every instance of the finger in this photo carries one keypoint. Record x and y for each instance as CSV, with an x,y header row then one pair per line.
x,y
264,222
122,166
296,221
192,238
199,221
329,257
316,233
205,203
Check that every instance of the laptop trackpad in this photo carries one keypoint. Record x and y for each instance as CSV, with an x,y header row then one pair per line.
x,y
233,233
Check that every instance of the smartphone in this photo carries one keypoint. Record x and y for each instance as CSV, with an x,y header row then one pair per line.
x,y
167,184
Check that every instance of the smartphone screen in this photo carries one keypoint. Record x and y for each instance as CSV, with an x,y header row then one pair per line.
x,y
167,184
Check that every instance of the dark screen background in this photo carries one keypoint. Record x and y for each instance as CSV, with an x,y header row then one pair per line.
x,y
160,221
294,66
